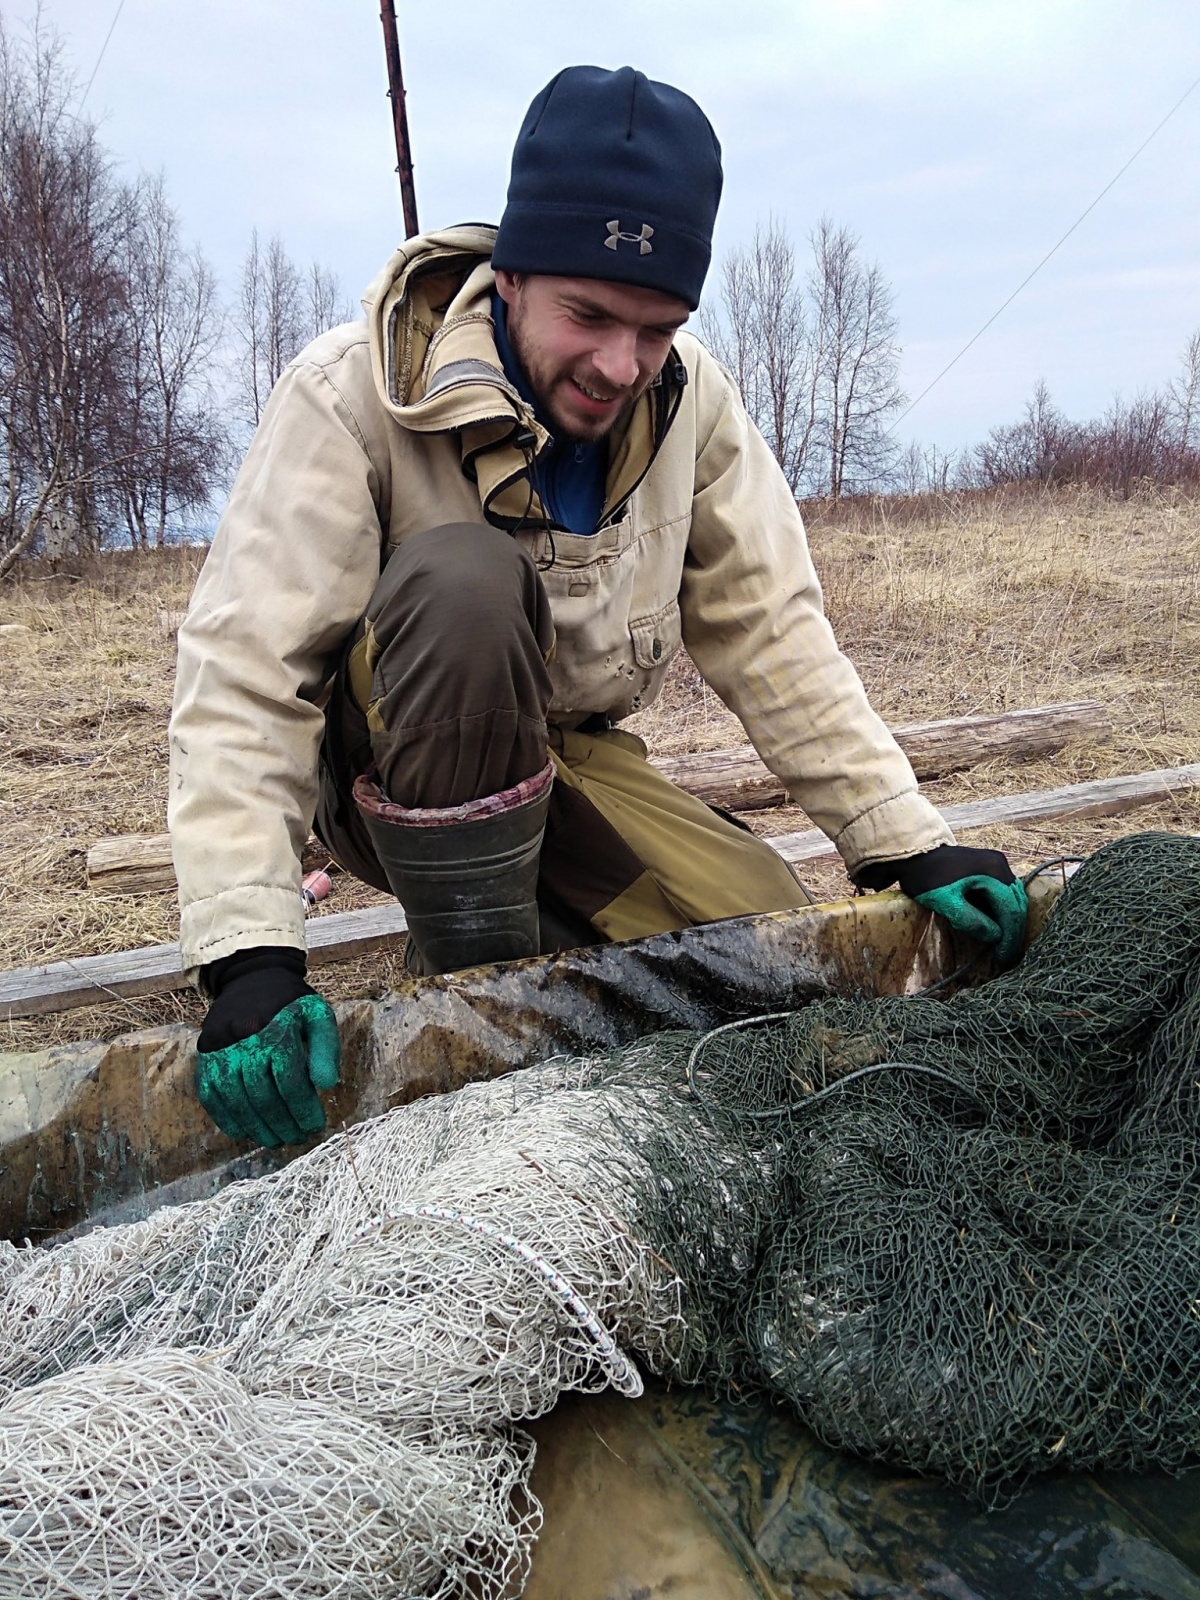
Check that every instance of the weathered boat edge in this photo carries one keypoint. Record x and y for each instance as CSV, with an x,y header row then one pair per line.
x,y
109,1130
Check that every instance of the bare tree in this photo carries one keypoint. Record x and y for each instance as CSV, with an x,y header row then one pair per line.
x,y
924,469
817,362
327,305
1040,448
283,310
858,360
1185,398
250,332
272,321
279,311
105,328
730,329
763,335
177,439
63,322
1132,444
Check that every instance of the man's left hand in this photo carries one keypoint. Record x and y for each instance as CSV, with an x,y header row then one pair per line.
x,y
975,890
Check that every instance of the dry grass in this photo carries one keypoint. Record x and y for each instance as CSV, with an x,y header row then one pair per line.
x,y
968,604
946,607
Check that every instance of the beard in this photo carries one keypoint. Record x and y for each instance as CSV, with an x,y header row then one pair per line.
x,y
552,384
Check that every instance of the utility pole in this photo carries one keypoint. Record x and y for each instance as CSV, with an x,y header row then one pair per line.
x,y
404,166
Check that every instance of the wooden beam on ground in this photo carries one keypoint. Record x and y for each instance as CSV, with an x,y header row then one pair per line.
x,y
35,991
737,779
1106,797
140,863
127,974
131,864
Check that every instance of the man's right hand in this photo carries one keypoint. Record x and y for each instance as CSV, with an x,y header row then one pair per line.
x,y
975,890
268,1044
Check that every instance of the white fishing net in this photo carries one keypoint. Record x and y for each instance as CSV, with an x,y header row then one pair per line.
x,y
307,1384
165,1474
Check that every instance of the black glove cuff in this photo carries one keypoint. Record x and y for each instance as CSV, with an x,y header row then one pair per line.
x,y
876,875
261,958
256,985
949,863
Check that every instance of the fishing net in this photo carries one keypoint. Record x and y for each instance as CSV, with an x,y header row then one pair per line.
x,y
307,1384
984,1257
960,1234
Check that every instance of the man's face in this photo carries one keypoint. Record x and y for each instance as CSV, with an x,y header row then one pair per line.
x,y
589,348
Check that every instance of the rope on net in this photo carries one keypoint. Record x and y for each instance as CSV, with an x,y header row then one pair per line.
x,y
622,1374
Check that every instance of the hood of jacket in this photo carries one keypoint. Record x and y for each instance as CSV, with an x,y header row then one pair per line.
x,y
437,370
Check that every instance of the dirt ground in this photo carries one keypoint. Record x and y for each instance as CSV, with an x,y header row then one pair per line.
x,y
946,606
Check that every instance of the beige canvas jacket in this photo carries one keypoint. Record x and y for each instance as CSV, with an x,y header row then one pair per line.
x,y
382,429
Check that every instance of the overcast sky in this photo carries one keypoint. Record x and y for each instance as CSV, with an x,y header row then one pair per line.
x,y
958,138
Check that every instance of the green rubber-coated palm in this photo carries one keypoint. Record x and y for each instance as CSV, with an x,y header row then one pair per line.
x,y
986,909
265,1087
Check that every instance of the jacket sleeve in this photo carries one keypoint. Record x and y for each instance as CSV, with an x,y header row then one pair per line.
x,y
289,572
754,623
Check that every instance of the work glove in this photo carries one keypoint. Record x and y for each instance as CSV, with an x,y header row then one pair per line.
x,y
268,1044
975,890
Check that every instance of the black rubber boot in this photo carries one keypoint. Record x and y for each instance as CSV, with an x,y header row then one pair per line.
x,y
466,876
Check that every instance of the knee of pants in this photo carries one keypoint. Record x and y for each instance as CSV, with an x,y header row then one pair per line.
x,y
459,585
459,624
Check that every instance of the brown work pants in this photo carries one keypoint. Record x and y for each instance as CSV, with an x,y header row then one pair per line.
x,y
444,691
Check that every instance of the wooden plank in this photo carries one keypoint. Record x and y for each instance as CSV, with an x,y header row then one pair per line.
x,y
131,864
954,743
34,991
89,980
1104,798
342,934
737,779
138,863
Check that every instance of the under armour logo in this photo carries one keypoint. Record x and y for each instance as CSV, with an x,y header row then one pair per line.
x,y
642,240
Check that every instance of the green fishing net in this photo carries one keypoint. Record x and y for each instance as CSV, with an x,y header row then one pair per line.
x,y
964,1234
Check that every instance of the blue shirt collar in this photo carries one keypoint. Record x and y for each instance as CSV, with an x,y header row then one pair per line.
x,y
570,478
513,370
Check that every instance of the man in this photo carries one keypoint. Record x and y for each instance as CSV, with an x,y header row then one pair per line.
x,y
468,538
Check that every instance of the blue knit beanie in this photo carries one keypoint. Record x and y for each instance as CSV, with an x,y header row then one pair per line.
x,y
616,177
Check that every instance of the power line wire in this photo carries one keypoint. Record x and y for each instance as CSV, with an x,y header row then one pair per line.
x,y
100,57
1152,134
